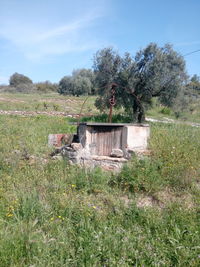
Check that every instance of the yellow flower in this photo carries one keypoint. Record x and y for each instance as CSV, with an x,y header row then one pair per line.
x,y
9,214
73,185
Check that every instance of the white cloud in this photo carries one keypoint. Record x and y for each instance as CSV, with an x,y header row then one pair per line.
x,y
37,41
62,30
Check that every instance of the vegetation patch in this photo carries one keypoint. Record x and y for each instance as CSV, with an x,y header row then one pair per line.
x,y
62,215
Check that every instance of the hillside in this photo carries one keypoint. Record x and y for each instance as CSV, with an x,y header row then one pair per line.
x,y
55,214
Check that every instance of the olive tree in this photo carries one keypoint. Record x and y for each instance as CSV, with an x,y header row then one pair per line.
x,y
153,72
66,86
21,83
17,79
81,82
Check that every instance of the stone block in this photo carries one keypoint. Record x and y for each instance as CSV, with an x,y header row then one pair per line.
x,y
72,155
58,140
58,157
117,153
76,146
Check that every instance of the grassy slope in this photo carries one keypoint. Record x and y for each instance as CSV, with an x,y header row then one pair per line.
x,y
45,102
52,214
70,105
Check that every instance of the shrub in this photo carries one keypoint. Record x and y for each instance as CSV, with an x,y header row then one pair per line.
x,y
166,111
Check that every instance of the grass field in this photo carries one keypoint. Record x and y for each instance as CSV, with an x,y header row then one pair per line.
x,y
46,102
53,102
53,214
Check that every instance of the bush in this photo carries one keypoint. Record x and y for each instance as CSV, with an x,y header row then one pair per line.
x,y
17,79
166,111
45,87
25,88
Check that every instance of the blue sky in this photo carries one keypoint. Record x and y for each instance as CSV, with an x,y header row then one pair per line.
x,y
47,39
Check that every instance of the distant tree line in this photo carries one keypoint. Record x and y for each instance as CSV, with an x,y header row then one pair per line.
x,y
81,82
23,84
194,84
154,72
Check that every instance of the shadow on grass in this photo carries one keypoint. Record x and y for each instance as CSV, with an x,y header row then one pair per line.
x,y
117,118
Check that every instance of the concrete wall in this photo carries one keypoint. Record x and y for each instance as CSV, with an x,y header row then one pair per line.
x,y
137,137
134,136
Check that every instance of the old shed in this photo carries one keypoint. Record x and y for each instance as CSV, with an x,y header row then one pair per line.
x,y
101,138
108,145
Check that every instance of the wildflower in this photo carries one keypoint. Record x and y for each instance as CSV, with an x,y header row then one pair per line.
x,y
94,207
9,214
15,201
73,185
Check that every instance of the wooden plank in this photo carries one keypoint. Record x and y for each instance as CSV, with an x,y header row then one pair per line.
x,y
106,138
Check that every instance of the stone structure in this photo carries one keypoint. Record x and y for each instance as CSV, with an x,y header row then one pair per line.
x,y
108,145
58,140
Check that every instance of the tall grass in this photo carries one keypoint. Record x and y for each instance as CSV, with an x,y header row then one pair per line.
x,y
54,214
46,102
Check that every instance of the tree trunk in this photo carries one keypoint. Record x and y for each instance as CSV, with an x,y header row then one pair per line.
x,y
138,111
135,111
141,115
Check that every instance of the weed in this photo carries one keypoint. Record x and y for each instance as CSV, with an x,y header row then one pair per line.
x,y
55,214
166,111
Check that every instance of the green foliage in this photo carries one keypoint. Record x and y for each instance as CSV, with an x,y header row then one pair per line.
x,y
166,111
20,83
89,76
66,86
117,118
53,102
82,86
17,79
194,83
55,214
80,83
188,98
146,177
45,87
107,65
178,148
154,72
173,164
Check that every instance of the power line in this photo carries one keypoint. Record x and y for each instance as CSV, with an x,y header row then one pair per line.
x,y
191,52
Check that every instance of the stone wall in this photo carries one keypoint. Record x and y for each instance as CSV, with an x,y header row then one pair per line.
x,y
131,138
